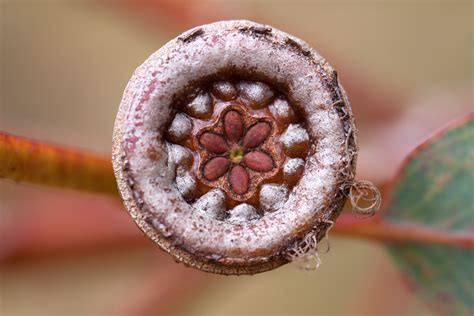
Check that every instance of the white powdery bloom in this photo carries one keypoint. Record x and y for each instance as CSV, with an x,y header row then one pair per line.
x,y
294,135
273,196
242,213
201,106
292,165
224,90
258,94
280,109
180,128
178,155
212,204
185,183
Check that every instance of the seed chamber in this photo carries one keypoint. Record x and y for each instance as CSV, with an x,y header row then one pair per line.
x,y
239,134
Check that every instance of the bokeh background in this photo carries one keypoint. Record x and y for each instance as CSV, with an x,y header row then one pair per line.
x,y
408,69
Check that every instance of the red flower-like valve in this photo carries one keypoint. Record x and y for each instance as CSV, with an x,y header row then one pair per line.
x,y
237,152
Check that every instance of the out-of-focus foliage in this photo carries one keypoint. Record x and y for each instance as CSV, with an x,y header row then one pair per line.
x,y
434,191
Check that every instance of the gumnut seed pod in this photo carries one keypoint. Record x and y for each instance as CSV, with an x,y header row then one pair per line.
x,y
235,147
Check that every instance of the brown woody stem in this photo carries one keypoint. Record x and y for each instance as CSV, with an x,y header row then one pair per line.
x,y
26,160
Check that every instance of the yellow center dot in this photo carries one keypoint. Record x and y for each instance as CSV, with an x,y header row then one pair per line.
x,y
236,154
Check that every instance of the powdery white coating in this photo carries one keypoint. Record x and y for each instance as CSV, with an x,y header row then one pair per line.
x,y
185,182
201,106
255,92
272,229
280,109
212,204
147,106
165,231
242,213
294,135
180,127
224,90
178,155
291,166
273,196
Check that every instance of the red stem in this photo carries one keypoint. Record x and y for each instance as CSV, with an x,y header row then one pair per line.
x,y
31,161
386,231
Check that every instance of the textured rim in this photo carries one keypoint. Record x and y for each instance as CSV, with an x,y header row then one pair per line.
x,y
214,51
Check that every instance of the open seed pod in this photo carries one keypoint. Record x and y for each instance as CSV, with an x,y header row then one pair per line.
x,y
234,146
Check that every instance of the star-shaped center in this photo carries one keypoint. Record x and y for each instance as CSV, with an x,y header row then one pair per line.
x,y
237,152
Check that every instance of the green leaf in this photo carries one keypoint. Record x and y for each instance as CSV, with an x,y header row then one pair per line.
x,y
435,193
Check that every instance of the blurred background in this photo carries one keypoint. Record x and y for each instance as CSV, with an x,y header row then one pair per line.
x,y
407,67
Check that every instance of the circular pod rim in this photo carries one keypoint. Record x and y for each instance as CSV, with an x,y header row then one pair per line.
x,y
250,51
